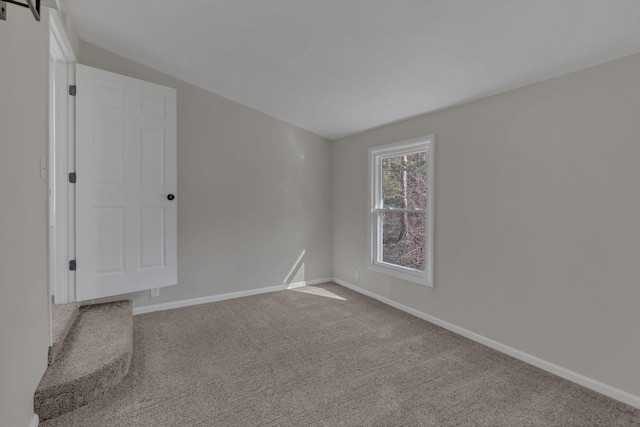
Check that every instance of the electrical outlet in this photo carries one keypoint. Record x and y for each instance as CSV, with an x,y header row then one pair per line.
x,y
155,292
357,274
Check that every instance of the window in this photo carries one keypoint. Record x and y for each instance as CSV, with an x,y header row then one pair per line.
x,y
401,179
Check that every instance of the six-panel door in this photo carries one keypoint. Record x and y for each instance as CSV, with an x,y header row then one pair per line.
x,y
126,226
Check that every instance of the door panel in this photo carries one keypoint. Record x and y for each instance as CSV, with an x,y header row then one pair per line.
x,y
126,227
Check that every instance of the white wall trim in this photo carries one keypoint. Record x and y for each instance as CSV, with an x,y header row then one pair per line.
x,y
222,297
584,381
58,185
35,421
64,51
61,140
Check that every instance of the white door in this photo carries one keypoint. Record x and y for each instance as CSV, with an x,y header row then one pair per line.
x,y
126,216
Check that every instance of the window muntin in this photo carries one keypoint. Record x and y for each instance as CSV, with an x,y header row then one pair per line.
x,y
401,220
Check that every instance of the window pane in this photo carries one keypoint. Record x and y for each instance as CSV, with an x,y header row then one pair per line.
x,y
404,181
403,239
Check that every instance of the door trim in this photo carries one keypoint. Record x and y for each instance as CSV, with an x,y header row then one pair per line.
x,y
61,154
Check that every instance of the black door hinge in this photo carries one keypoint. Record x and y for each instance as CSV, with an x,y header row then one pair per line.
x,y
72,90
72,265
72,177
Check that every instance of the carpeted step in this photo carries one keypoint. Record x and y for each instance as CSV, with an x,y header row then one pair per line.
x,y
94,358
63,316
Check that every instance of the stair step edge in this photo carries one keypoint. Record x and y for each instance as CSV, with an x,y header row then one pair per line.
x,y
83,370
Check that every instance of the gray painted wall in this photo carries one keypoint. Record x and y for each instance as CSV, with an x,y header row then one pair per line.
x,y
254,193
537,219
24,335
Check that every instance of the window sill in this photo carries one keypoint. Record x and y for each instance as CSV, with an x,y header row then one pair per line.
x,y
401,273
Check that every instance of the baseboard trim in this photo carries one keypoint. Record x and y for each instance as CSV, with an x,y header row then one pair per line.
x,y
35,421
584,381
222,297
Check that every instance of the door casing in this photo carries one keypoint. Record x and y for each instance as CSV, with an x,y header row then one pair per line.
x,y
61,160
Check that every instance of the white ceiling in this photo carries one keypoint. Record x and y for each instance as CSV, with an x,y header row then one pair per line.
x,y
338,67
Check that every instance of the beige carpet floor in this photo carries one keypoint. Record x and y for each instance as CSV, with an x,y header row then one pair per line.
x,y
327,356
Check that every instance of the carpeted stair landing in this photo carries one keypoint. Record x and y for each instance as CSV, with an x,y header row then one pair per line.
x,y
94,358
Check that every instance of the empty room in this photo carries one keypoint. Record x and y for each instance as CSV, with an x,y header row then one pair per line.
x,y
319,213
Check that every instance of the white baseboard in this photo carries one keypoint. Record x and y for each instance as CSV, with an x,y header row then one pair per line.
x,y
35,421
590,383
222,297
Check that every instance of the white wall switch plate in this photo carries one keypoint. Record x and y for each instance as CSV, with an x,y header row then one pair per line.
x,y
155,292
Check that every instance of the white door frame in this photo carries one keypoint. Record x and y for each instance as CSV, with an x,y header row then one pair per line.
x,y
61,154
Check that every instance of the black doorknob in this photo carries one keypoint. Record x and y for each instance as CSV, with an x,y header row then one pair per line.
x,y
171,197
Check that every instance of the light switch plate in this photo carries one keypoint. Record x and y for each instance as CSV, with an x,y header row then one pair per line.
x,y
3,10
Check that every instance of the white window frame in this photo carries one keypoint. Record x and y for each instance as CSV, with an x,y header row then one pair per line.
x,y
376,155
